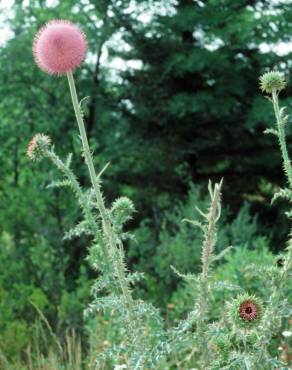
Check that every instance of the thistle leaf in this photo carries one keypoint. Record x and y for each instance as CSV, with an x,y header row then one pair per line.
x,y
59,184
221,254
195,223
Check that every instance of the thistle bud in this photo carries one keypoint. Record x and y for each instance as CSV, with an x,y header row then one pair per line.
x,y
37,147
273,81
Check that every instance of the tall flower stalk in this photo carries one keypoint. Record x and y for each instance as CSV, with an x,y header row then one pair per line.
x,y
273,83
111,238
281,122
59,47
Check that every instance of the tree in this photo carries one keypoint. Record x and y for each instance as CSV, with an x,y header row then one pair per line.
x,y
192,110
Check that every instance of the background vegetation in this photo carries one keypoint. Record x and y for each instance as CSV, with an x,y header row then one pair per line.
x,y
173,101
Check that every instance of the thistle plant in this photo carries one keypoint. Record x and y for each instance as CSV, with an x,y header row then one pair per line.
x,y
194,330
273,83
59,47
245,339
210,236
241,336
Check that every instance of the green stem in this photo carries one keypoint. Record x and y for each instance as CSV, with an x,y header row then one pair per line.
x,y
288,171
276,296
107,227
281,136
207,251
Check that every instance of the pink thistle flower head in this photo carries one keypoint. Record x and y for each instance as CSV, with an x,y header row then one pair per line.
x,y
248,310
59,47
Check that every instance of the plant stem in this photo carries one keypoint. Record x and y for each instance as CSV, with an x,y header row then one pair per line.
x,y
288,170
281,136
276,296
107,227
206,260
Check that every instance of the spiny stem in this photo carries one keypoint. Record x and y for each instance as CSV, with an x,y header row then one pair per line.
x,y
281,136
107,227
288,170
276,296
206,260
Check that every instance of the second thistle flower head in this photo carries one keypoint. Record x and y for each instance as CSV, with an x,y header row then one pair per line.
x,y
245,311
37,146
59,47
272,81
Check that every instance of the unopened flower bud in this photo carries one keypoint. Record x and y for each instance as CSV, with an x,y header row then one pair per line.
x,y
38,146
273,81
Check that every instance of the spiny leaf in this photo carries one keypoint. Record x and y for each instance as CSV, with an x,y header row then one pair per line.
x,y
224,285
271,131
222,254
187,277
59,184
195,223
78,230
282,193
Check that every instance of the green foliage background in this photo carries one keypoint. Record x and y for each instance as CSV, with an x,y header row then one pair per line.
x,y
183,106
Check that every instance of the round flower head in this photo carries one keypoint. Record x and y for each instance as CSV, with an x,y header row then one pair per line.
x,y
245,311
272,81
37,146
59,47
